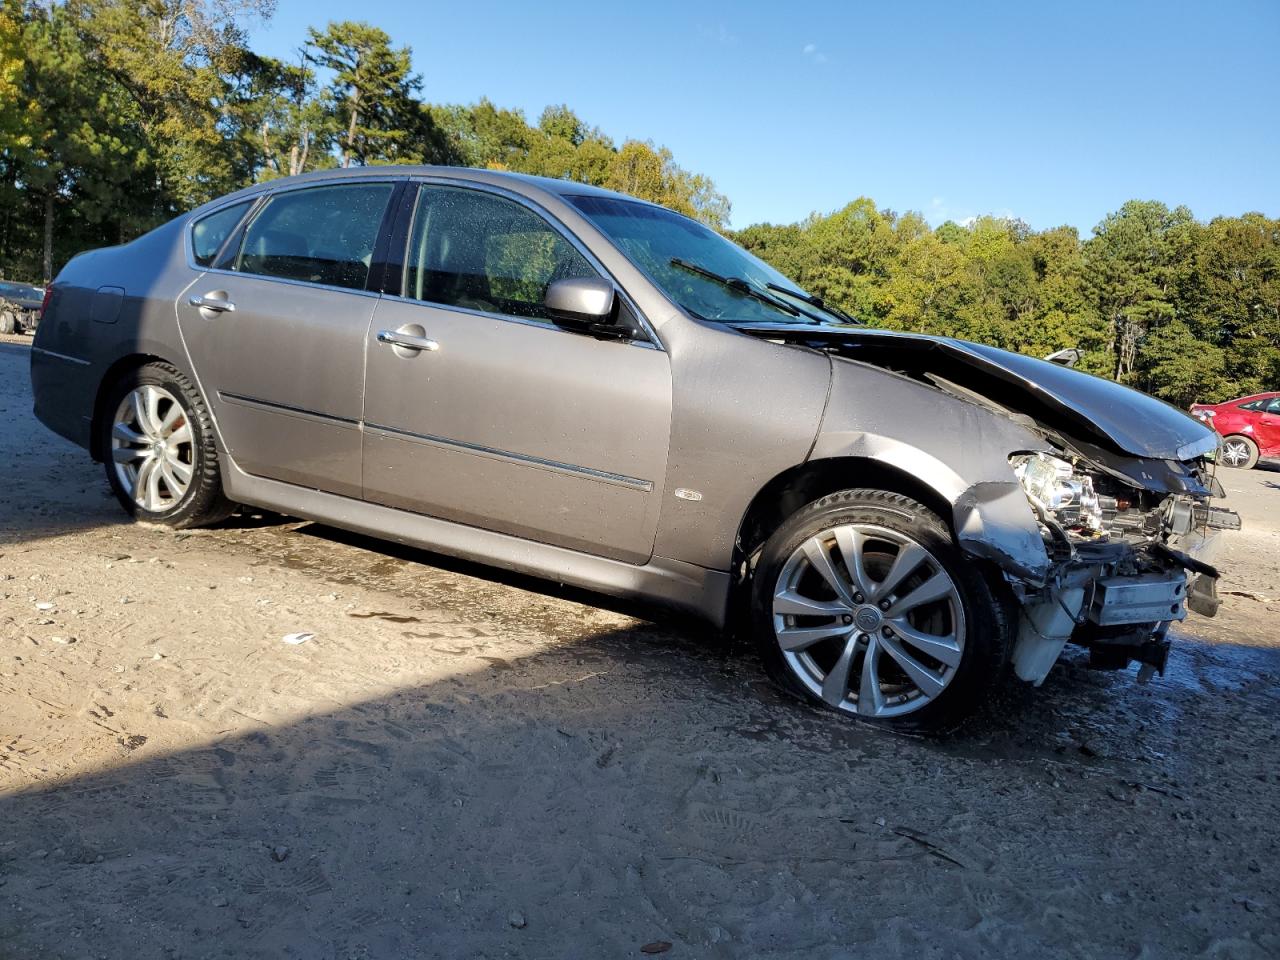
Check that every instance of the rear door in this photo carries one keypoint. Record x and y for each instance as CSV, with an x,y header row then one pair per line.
x,y
276,334
511,423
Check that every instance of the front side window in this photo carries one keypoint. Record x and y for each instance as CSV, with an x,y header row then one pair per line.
x,y
211,232
321,234
483,252
1274,406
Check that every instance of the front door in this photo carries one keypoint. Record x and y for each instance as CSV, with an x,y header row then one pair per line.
x,y
500,419
277,338
1267,429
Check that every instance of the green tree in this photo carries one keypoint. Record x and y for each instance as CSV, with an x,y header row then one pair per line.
x,y
79,151
286,123
1130,276
374,90
169,60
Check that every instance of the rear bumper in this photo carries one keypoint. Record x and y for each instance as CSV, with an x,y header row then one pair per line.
x,y
64,388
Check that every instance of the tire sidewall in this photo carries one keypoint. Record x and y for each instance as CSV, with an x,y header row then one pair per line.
x,y
195,501
985,657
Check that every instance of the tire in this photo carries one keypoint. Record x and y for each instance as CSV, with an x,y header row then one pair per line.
x,y
8,323
175,435
959,648
1239,452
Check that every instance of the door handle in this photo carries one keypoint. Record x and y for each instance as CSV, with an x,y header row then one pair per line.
x,y
407,340
213,303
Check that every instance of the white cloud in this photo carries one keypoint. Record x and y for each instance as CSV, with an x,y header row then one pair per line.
x,y
811,51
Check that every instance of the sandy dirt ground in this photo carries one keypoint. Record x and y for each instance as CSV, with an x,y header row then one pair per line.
x,y
464,763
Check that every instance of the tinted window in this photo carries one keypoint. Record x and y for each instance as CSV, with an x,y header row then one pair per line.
x,y
321,235
209,234
1253,405
484,252
1274,406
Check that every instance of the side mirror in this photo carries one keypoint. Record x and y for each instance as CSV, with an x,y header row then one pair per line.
x,y
588,304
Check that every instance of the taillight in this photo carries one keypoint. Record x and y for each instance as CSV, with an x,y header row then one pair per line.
x,y
44,304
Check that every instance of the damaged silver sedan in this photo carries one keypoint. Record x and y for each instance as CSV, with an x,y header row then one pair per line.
x,y
578,385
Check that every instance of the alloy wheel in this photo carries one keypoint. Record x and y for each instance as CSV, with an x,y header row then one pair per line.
x,y
152,448
869,620
1235,453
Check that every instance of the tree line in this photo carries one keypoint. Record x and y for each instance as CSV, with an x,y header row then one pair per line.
x,y
116,115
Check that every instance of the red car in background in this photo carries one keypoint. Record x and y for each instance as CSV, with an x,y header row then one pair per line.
x,y
1249,426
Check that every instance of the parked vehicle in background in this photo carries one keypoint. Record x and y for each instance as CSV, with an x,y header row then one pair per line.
x,y
1249,426
572,383
20,306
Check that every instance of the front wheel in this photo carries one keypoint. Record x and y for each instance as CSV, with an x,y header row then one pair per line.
x,y
158,445
861,603
1239,452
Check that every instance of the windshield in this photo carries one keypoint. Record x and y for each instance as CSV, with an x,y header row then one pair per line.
x,y
668,247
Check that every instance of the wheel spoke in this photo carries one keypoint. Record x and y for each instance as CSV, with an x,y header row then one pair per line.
x,y
142,482
153,485
170,419
816,552
909,557
836,685
129,454
137,408
790,602
870,702
924,678
181,435
182,471
174,484
943,648
935,588
852,543
126,434
152,406
798,638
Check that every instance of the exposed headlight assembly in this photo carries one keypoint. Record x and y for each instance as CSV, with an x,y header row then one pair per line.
x,y
1056,488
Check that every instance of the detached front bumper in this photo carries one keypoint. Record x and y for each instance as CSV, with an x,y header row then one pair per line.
x,y
1118,599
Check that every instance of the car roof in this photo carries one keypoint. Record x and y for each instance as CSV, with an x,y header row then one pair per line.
x,y
523,183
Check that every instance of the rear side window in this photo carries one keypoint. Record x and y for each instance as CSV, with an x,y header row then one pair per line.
x,y
1253,405
321,235
483,252
211,232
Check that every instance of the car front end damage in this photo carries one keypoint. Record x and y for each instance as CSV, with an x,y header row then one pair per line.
x,y
1125,561
1094,502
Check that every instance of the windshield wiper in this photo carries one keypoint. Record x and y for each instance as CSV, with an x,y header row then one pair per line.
x,y
738,285
818,302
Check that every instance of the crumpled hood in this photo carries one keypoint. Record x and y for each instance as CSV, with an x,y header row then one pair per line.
x,y
1077,403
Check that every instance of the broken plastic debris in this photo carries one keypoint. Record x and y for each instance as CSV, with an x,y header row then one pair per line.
x,y
44,606
297,638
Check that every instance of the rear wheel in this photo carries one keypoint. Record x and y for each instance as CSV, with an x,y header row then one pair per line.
x,y
8,322
1238,451
861,603
157,442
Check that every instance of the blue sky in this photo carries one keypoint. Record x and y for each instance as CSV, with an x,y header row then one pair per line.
x,y
1052,112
